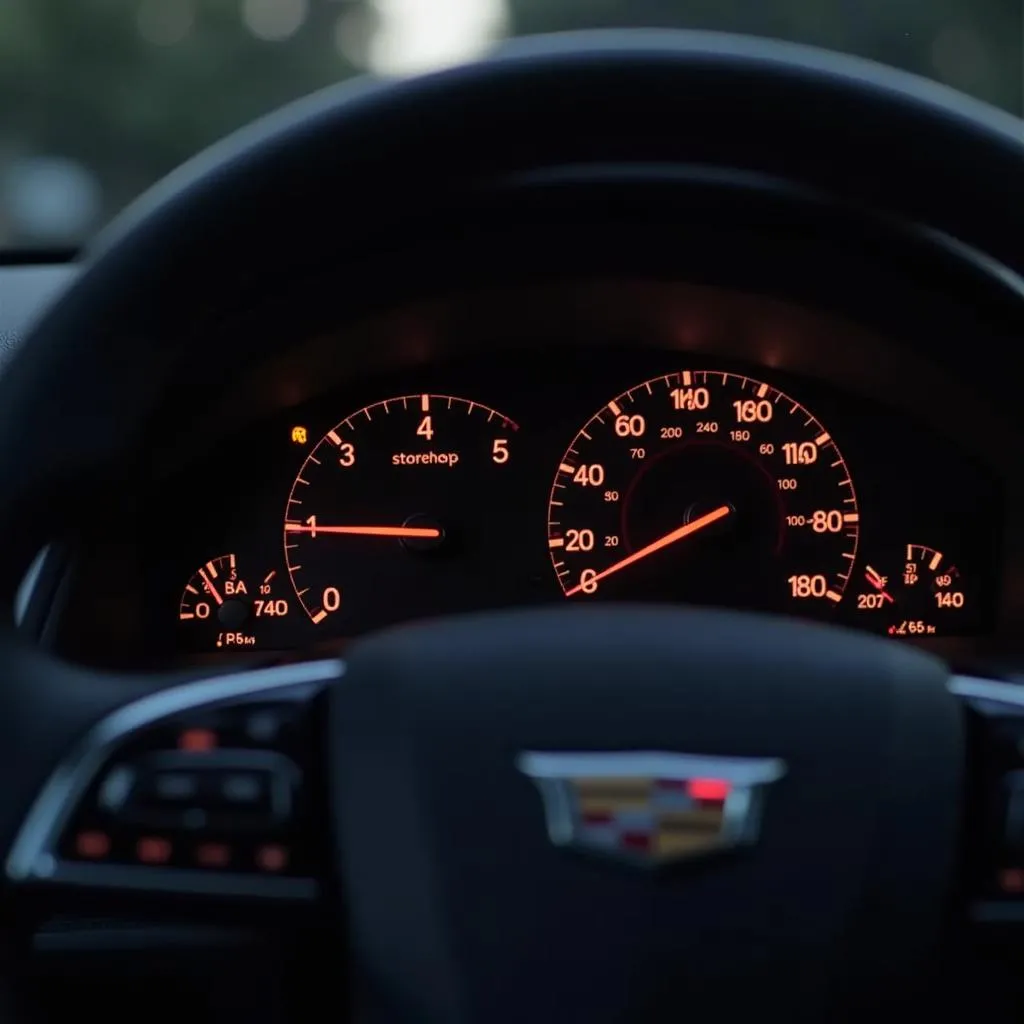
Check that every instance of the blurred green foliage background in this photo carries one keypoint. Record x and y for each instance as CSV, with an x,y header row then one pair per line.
x,y
99,98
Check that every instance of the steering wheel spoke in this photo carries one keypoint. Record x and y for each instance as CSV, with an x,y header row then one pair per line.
x,y
212,789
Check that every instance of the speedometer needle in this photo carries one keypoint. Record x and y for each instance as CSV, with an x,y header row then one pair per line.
x,y
662,542
313,529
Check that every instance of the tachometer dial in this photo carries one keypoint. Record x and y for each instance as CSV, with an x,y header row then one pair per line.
x,y
705,487
388,499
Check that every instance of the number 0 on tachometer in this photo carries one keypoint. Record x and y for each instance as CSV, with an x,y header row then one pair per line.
x,y
705,487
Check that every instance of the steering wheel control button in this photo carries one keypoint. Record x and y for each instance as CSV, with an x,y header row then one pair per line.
x,y
272,858
228,790
1011,881
263,727
248,791
175,787
213,855
92,845
154,850
197,741
116,788
199,789
221,790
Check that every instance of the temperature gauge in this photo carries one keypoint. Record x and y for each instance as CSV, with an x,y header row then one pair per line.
x,y
221,606
921,594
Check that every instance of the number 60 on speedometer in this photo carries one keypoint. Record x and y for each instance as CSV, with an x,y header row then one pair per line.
x,y
708,487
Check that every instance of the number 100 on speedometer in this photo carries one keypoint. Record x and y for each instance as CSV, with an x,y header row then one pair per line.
x,y
707,487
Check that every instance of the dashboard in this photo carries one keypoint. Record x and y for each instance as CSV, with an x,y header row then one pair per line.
x,y
654,442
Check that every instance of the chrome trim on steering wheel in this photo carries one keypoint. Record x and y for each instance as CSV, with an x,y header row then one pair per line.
x,y
992,696
33,856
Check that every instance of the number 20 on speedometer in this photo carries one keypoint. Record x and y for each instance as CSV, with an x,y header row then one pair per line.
x,y
707,487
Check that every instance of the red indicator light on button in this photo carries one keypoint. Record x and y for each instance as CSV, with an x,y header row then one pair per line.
x,y
1011,880
197,741
716,790
213,855
272,858
152,850
92,845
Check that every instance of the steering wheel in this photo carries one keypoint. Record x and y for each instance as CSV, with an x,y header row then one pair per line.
x,y
795,818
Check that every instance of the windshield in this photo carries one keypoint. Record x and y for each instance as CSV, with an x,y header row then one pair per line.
x,y
99,98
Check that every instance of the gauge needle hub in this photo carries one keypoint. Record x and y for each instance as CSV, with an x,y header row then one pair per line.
x,y
662,542
407,532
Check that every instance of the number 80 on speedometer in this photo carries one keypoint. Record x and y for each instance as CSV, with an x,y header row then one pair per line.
x,y
708,487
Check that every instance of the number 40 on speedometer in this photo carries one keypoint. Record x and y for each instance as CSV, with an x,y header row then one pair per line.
x,y
708,487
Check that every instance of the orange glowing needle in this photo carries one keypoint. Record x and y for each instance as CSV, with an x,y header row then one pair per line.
x,y
875,579
366,531
210,587
661,542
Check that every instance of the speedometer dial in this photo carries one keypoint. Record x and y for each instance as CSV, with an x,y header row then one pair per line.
x,y
705,487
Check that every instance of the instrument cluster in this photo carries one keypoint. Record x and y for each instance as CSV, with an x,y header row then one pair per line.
x,y
710,485
516,476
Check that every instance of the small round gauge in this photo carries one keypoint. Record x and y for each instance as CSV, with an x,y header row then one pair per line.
x,y
916,592
388,500
220,606
709,488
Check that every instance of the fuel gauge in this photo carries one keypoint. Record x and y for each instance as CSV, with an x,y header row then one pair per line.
x,y
221,606
920,594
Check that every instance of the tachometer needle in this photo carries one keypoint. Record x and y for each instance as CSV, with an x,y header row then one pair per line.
x,y
313,529
662,542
